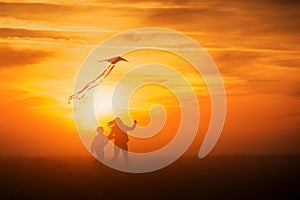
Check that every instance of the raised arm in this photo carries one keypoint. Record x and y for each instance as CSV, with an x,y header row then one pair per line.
x,y
128,128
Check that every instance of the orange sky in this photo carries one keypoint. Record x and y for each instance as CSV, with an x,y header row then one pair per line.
x,y
255,45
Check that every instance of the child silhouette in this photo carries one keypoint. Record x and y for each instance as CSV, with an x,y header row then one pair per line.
x,y
100,140
119,134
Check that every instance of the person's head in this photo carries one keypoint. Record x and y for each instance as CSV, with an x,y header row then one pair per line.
x,y
118,120
114,122
100,129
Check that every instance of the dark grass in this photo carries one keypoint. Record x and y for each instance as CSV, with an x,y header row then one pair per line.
x,y
215,177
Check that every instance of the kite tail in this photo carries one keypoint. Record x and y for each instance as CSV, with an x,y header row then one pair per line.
x,y
111,68
90,85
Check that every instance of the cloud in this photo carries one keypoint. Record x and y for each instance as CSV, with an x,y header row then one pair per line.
x,y
64,15
232,62
230,17
7,9
52,35
255,18
20,57
259,72
26,33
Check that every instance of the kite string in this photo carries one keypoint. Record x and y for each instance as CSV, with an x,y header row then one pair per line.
x,y
90,85
109,68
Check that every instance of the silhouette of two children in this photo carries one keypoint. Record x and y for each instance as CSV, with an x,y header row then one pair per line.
x,y
119,134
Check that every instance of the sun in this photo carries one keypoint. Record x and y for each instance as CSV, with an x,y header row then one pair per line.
x,y
103,101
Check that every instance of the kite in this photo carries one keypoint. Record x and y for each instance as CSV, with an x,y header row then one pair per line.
x,y
98,80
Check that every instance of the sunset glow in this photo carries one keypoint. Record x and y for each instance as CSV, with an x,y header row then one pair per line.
x,y
254,44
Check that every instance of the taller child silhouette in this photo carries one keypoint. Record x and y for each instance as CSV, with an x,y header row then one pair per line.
x,y
119,134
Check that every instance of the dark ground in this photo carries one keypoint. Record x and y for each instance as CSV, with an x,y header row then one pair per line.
x,y
215,177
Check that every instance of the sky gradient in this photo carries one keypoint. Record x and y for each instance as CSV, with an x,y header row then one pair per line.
x,y
255,45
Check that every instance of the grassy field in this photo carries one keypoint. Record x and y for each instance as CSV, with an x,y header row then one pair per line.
x,y
215,177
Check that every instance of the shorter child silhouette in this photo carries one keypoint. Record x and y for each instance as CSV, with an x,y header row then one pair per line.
x,y
100,140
